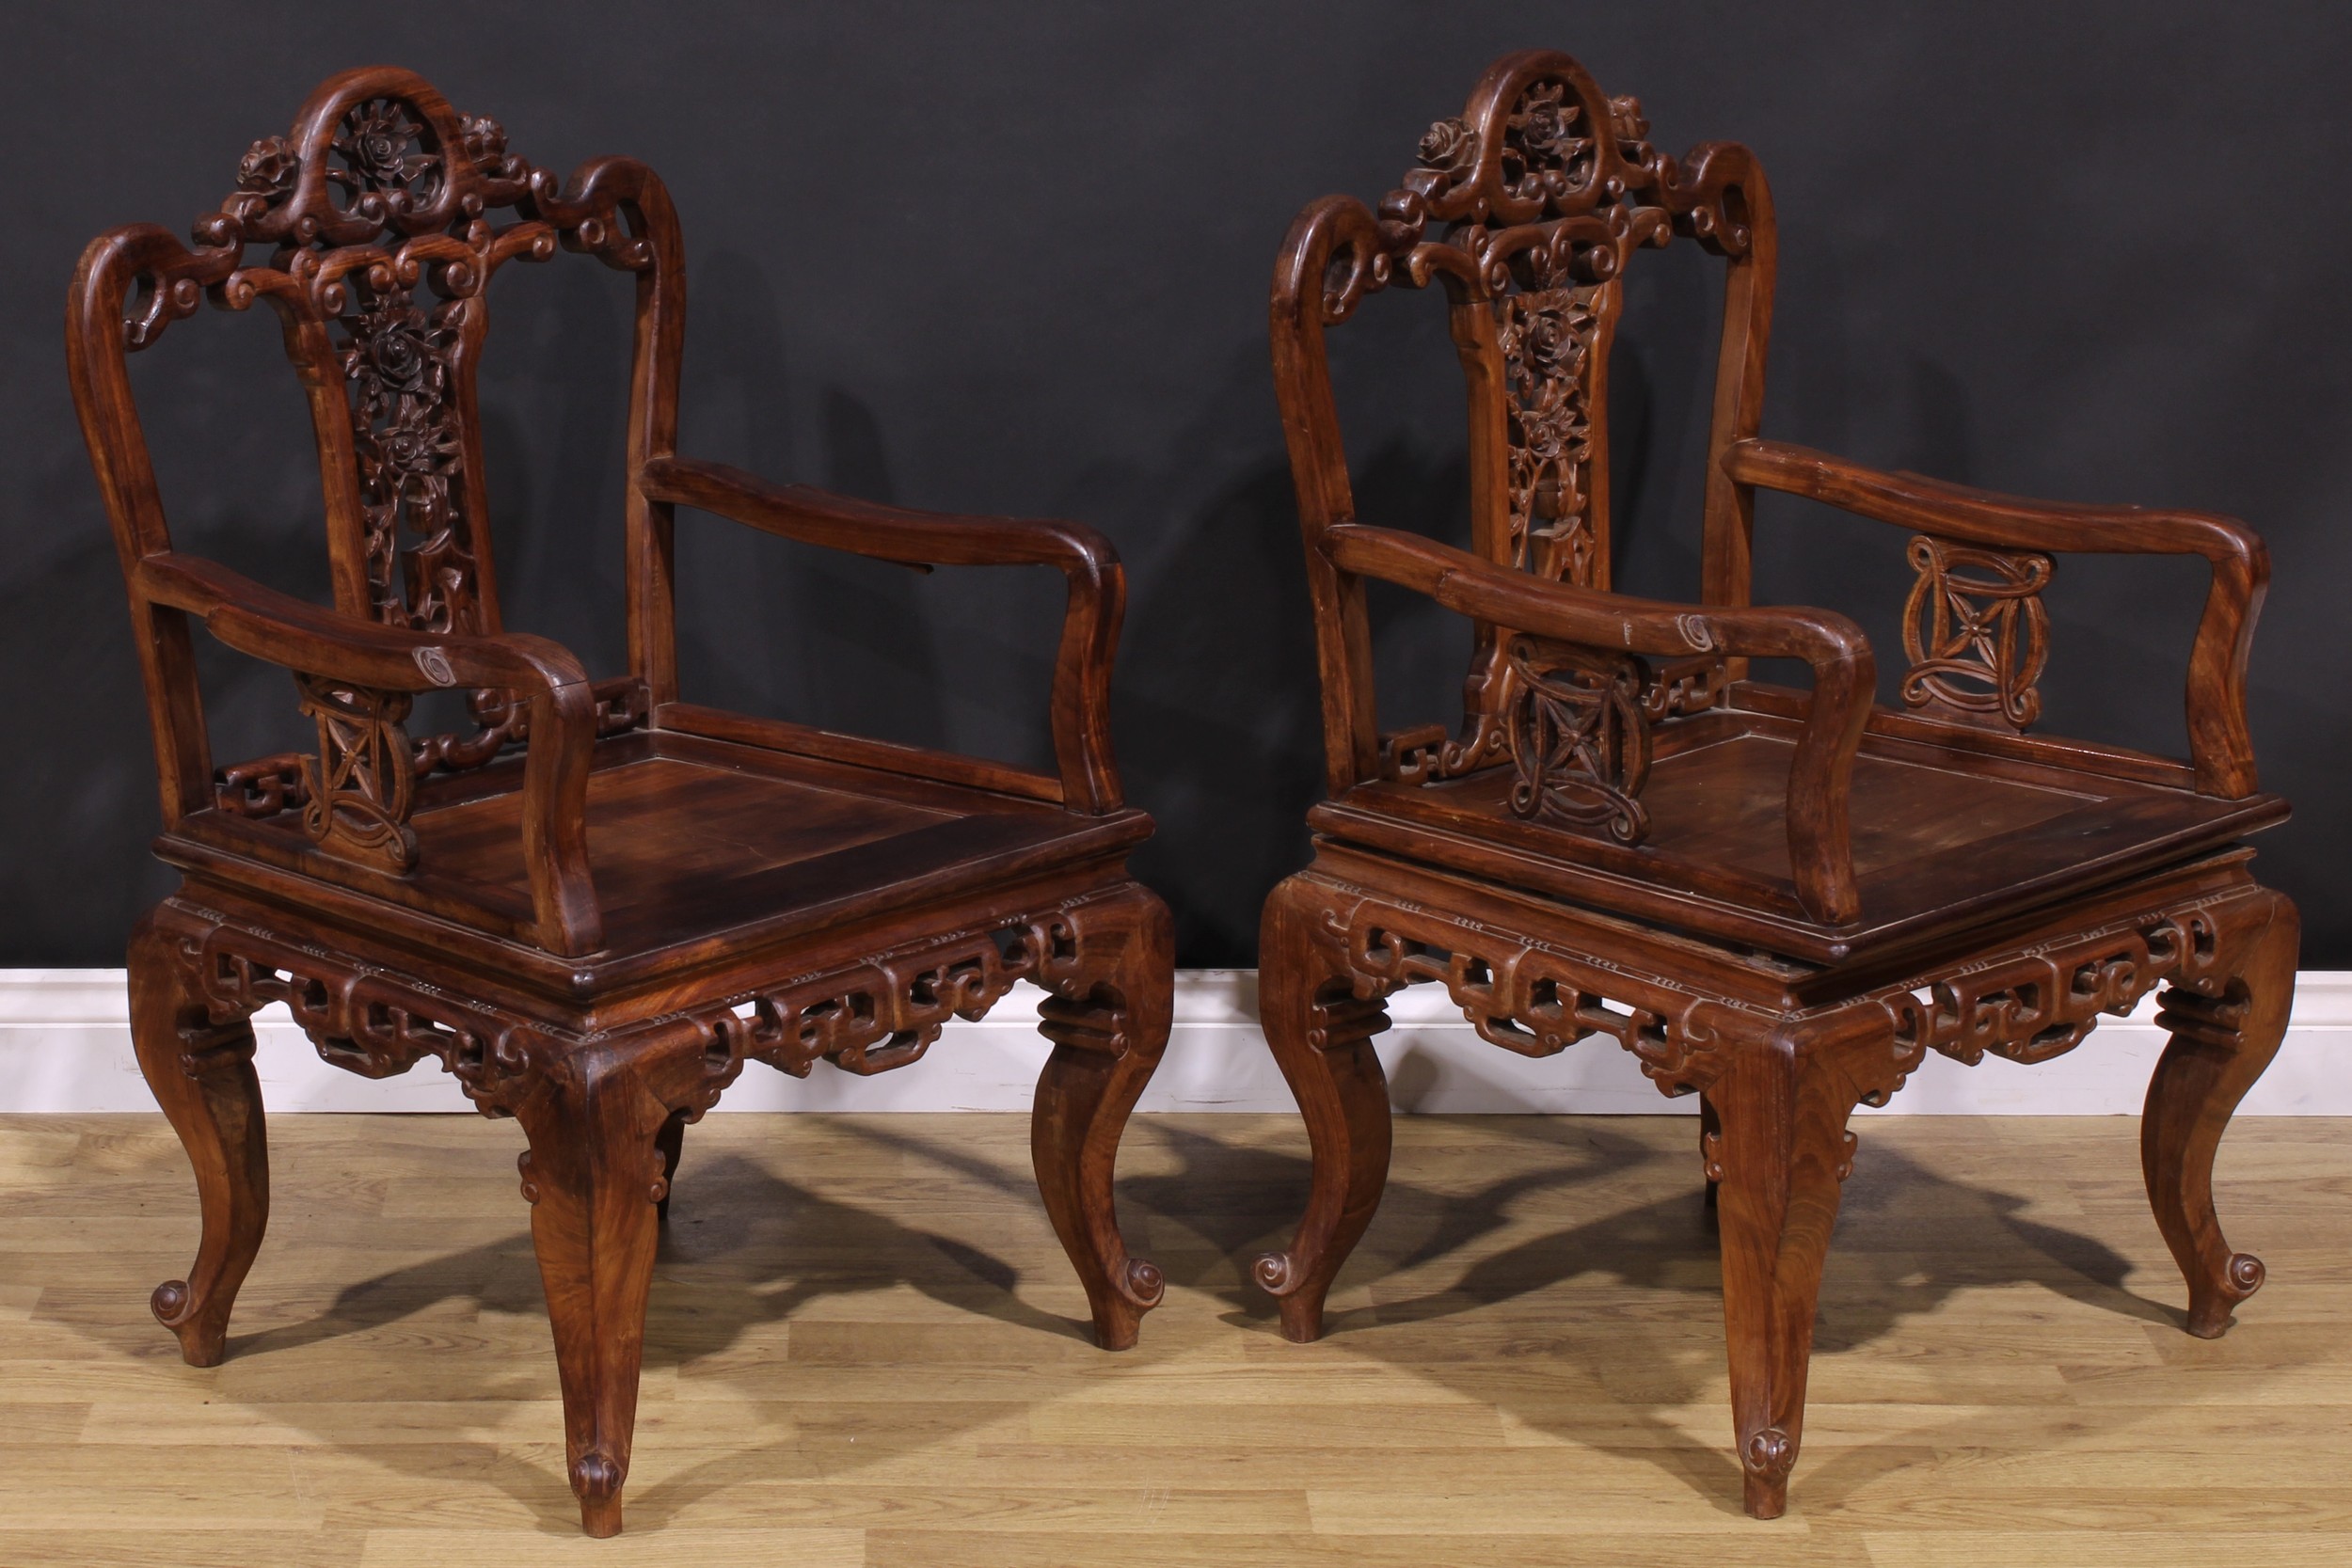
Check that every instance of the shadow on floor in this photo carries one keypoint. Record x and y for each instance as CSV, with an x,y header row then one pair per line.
x,y
748,1246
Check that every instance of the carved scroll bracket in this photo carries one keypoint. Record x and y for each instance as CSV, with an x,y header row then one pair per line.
x,y
1579,736
357,790
1977,632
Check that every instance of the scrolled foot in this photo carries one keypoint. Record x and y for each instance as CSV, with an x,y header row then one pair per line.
x,y
1136,1288
1279,1276
201,1071
1765,1459
2224,1033
1144,1284
596,1482
2209,1313
201,1341
1275,1272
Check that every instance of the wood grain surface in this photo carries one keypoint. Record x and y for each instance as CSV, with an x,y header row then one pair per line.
x,y
864,1346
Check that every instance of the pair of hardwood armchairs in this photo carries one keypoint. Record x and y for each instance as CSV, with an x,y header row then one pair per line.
x,y
595,906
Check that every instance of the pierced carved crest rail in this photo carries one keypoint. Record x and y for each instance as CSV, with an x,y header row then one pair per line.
x,y
1527,211
382,241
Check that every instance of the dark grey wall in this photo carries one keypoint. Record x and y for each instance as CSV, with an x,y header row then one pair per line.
x,y
1015,259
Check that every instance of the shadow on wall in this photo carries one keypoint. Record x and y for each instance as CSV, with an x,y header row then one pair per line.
x,y
555,434
1217,712
239,478
79,859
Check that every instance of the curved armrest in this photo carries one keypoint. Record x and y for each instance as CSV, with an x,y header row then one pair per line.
x,y
1098,586
2220,743
313,639
1820,851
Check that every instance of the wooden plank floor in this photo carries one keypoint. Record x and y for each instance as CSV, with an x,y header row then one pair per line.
x,y
865,1349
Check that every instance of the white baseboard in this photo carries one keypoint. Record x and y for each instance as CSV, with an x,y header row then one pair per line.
x,y
65,1045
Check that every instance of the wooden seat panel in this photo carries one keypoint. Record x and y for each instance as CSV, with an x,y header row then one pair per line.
x,y
664,832
690,837
1933,843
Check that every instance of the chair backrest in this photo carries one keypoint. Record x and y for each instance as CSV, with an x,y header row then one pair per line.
x,y
1528,208
381,209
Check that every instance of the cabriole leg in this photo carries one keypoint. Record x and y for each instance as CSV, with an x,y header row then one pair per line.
x,y
2219,1047
202,1075
1321,1034
594,1177
1783,1151
1108,1038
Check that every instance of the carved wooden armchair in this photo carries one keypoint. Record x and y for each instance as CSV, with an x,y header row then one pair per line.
x,y
598,903
1776,899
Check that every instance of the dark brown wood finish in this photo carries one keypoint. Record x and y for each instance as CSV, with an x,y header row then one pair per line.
x,y
1778,900
596,905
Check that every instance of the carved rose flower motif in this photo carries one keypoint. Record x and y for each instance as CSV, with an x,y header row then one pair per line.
x,y
1550,342
415,447
392,352
379,139
1546,434
397,351
381,145
1444,144
1543,126
1627,119
484,138
268,167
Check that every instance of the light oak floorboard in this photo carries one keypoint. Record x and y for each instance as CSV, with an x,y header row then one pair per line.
x,y
866,1348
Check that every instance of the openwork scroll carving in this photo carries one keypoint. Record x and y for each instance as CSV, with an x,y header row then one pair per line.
x,y
2043,1004
1528,998
357,790
886,1011
865,1016
265,786
1543,191
388,168
1977,632
1579,736
359,1019
379,210
1527,208
2026,1006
